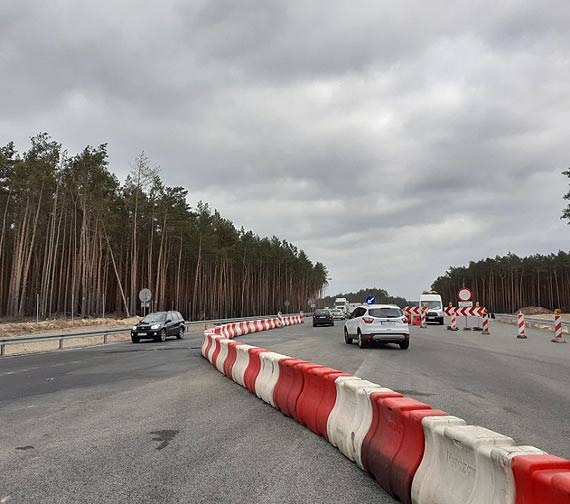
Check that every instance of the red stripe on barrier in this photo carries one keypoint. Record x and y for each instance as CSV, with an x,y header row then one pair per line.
x,y
541,479
253,367
217,348
383,445
410,454
208,345
317,398
290,382
231,358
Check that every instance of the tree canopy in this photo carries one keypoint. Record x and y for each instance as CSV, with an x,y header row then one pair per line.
x,y
76,239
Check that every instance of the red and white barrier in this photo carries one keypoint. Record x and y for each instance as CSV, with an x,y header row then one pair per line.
x,y
453,326
423,319
485,322
419,455
558,338
521,326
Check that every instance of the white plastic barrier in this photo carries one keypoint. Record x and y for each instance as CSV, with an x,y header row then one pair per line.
x,y
465,464
241,363
350,414
205,340
268,376
214,337
222,356
362,420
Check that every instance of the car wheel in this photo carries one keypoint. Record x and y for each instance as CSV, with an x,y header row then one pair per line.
x,y
347,338
441,322
180,334
361,342
162,336
134,339
404,345
314,325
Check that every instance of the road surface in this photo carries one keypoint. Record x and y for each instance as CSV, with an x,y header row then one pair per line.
x,y
157,423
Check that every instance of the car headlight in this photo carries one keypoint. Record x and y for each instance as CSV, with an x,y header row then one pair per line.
x,y
134,328
155,326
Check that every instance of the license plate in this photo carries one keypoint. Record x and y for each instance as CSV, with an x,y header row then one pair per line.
x,y
386,323
142,334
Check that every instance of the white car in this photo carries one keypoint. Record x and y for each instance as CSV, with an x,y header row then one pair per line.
x,y
382,323
338,314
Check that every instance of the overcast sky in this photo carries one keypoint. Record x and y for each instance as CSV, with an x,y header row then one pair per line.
x,y
387,139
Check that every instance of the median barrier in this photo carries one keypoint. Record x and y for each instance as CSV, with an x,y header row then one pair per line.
x,y
290,384
410,453
362,419
222,355
461,472
417,454
541,479
231,359
268,376
318,398
253,368
345,418
382,443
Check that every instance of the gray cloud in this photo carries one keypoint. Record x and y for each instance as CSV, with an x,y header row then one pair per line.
x,y
387,141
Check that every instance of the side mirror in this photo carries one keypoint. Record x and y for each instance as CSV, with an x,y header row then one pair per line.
x,y
168,321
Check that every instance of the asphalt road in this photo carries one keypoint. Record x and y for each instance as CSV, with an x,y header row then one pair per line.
x,y
157,423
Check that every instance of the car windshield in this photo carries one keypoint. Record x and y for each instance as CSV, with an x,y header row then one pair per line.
x,y
322,312
432,305
385,312
154,317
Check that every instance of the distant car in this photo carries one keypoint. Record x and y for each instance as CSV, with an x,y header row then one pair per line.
x,y
323,317
159,326
380,323
338,314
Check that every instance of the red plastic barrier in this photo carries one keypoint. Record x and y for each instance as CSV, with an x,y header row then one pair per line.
x,y
253,368
317,398
208,344
231,358
217,349
541,479
410,454
383,445
289,382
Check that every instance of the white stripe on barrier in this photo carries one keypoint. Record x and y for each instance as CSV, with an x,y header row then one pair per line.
x,y
242,361
362,420
460,456
344,410
222,355
268,376
213,346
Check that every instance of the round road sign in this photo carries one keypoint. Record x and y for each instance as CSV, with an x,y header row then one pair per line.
x,y
464,294
370,300
145,295
286,303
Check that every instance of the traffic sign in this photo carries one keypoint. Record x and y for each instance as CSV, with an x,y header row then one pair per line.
x,y
464,294
311,302
370,300
286,303
145,295
313,305
465,304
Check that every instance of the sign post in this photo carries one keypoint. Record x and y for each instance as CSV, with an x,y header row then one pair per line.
x,y
465,297
145,295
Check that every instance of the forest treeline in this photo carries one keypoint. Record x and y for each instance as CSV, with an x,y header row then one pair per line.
x,y
381,296
76,240
506,284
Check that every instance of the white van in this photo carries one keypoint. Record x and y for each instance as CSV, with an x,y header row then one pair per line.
x,y
432,301
341,304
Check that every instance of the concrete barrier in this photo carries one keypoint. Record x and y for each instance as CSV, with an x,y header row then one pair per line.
x,y
241,363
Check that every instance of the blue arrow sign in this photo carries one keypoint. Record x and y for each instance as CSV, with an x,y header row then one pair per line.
x,y
370,300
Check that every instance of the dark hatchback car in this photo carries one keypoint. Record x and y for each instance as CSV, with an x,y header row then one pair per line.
x,y
323,317
159,326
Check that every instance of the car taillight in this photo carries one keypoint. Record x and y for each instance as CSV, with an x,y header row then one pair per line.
x,y
367,320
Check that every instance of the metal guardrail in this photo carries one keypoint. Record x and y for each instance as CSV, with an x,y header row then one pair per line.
x,y
36,338
531,319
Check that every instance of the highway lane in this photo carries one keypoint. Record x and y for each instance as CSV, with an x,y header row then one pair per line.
x,y
520,388
157,423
